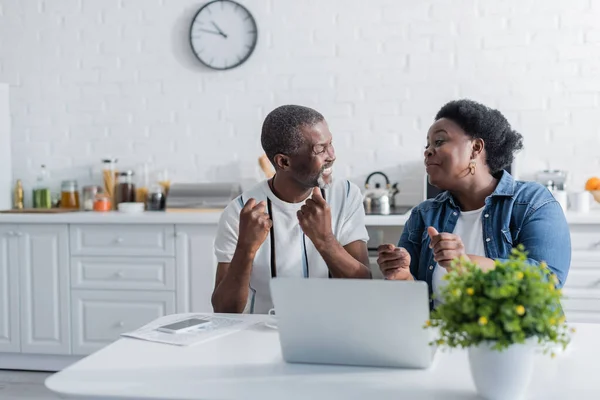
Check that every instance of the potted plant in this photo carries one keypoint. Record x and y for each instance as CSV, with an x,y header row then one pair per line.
x,y
501,316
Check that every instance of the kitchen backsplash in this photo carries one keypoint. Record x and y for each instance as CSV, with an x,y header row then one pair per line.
x,y
91,79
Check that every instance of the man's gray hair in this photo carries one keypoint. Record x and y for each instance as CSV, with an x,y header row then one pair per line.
x,y
281,132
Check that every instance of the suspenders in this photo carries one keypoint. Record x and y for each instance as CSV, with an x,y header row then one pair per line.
x,y
272,234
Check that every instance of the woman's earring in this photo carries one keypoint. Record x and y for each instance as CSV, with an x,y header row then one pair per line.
x,y
472,166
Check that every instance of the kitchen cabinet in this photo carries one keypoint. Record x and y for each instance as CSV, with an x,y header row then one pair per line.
x,y
196,265
582,289
72,283
43,263
69,289
121,279
9,293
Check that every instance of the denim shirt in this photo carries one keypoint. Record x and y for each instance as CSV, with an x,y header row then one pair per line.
x,y
515,213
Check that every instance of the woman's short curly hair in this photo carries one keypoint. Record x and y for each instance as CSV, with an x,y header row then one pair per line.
x,y
488,124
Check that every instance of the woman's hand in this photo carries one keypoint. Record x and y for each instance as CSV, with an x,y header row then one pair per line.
x,y
394,262
446,247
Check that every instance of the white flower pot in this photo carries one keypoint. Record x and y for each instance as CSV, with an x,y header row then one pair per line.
x,y
502,375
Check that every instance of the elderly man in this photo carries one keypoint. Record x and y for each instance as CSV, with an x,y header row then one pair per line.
x,y
300,223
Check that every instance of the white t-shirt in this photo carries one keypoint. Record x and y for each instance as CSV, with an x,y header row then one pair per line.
x,y
469,228
292,260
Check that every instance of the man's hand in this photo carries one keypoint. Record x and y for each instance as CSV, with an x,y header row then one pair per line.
x,y
394,262
254,225
315,219
446,247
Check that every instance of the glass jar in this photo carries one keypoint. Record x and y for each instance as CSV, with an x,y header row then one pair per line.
x,y
125,188
89,195
109,178
155,199
69,195
102,202
162,176
143,177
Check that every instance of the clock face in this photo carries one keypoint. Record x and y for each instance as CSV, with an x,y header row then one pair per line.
x,y
223,34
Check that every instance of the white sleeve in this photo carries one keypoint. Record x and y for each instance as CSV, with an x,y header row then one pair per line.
x,y
353,223
228,231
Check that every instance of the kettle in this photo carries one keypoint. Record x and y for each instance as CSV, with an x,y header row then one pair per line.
x,y
379,200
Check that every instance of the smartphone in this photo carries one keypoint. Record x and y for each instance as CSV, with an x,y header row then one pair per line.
x,y
185,325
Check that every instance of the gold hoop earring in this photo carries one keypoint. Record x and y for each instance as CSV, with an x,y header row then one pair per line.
x,y
472,166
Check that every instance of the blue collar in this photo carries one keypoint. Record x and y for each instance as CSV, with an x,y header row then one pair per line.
x,y
505,188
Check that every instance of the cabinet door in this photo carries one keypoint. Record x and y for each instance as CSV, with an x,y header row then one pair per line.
x,y
44,268
196,267
9,290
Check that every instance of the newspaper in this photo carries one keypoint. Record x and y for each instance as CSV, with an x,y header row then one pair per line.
x,y
219,326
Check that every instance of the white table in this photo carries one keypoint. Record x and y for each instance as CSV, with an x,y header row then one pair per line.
x,y
248,365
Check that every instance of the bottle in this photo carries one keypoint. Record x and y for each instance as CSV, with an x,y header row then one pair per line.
x,y
19,195
41,192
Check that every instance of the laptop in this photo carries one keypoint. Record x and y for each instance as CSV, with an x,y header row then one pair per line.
x,y
375,323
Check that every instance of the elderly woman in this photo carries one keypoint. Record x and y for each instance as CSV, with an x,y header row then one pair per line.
x,y
482,212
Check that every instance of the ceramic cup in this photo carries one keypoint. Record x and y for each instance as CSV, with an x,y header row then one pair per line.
x,y
271,322
561,197
580,202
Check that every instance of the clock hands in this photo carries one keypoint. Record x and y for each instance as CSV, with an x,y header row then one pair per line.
x,y
209,31
219,29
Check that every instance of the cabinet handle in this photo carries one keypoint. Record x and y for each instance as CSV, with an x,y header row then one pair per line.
x,y
119,240
596,244
178,234
119,274
19,234
10,233
120,324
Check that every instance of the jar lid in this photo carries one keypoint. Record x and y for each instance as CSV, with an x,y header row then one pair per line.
x,y
156,188
92,189
126,173
101,196
109,160
69,185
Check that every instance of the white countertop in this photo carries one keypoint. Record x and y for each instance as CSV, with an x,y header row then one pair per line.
x,y
573,218
248,364
114,217
207,217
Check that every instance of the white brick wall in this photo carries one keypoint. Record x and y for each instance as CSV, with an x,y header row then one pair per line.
x,y
96,77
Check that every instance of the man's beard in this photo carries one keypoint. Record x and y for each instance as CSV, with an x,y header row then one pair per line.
x,y
318,180
321,181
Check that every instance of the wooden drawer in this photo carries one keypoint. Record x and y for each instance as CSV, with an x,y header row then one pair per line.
x,y
123,273
99,317
122,240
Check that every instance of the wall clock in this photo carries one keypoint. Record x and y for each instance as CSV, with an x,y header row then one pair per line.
x,y
223,34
